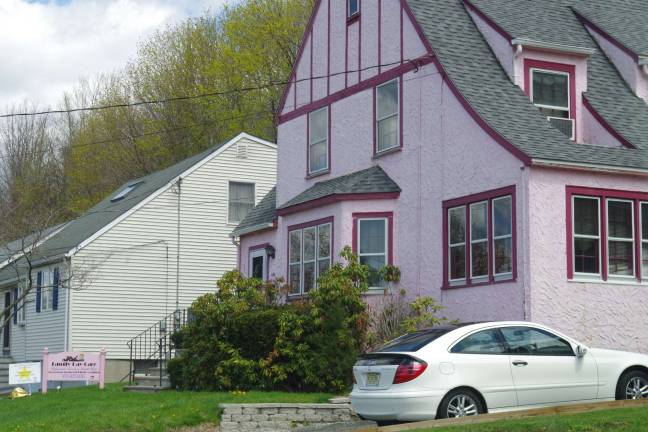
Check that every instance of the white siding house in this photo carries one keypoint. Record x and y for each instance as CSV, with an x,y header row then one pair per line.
x,y
121,258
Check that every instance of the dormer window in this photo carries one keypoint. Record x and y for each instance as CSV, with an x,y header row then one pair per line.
x,y
353,8
552,88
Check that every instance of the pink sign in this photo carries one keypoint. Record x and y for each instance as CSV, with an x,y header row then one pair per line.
x,y
73,366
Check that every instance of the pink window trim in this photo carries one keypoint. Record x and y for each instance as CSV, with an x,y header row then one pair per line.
x,y
390,231
300,226
488,196
254,249
310,174
558,67
603,195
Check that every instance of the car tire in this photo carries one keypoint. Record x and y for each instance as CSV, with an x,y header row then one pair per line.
x,y
460,403
632,385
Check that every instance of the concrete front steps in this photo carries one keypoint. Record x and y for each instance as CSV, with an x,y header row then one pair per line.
x,y
149,382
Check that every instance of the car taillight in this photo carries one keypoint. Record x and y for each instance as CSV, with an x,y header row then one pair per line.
x,y
408,370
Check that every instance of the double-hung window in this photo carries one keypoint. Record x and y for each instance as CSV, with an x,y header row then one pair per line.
x,y
20,305
372,243
309,255
608,234
46,290
240,201
479,238
550,88
318,140
387,116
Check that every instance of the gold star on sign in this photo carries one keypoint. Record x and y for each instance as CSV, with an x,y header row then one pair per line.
x,y
24,374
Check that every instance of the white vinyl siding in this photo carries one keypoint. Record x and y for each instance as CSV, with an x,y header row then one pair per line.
x,y
39,330
132,281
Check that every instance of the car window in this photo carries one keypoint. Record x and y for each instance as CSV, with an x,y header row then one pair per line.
x,y
533,341
413,341
483,342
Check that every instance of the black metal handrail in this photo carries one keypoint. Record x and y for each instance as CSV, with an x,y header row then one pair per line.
x,y
155,344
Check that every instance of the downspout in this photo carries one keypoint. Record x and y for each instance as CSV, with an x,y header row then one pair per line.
x,y
177,308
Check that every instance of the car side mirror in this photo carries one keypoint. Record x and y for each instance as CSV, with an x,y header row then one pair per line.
x,y
581,350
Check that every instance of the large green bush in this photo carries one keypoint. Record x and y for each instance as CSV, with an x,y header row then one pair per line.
x,y
246,336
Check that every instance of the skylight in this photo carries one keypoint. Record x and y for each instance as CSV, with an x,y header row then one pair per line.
x,y
124,192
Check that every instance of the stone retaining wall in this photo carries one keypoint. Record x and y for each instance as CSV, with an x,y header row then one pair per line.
x,y
281,416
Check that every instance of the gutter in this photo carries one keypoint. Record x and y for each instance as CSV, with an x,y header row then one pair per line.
x,y
589,167
550,46
251,229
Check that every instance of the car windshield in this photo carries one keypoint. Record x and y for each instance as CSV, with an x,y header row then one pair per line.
x,y
414,341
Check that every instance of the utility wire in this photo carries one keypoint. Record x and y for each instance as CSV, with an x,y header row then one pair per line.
x,y
199,95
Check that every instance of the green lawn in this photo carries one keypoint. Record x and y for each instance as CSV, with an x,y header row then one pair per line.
x,y
86,409
616,420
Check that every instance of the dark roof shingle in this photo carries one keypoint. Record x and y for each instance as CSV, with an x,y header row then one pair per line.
x,y
367,181
487,89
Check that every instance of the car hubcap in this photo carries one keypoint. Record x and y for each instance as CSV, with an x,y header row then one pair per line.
x,y
462,406
637,388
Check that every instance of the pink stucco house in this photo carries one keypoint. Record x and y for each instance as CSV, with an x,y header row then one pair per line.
x,y
496,151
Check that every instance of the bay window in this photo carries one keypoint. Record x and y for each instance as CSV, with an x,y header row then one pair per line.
x,y
318,141
387,116
309,254
479,238
608,234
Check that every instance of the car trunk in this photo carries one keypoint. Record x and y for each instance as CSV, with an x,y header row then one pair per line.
x,y
377,371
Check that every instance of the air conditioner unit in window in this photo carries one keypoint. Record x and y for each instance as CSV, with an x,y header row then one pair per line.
x,y
564,125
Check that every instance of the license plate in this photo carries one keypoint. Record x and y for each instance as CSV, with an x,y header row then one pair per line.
x,y
373,379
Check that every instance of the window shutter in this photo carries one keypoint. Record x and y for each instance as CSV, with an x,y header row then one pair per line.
x,y
15,306
55,289
39,287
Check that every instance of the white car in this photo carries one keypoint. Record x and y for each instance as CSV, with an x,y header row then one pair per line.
x,y
457,371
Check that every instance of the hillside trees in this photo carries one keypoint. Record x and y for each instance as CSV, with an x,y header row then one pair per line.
x,y
88,154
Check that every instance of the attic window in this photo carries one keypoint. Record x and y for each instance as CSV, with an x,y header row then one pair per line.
x,y
550,92
124,192
353,8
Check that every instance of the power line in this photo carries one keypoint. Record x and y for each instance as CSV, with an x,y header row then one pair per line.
x,y
199,95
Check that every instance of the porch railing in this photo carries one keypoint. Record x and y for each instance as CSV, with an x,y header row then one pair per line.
x,y
155,345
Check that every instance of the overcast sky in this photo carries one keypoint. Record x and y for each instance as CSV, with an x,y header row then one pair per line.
x,y
46,46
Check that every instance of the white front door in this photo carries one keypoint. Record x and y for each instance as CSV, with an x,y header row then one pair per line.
x,y
258,265
546,370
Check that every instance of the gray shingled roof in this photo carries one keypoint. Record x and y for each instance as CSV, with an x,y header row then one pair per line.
x,y
260,217
488,90
370,180
625,20
102,214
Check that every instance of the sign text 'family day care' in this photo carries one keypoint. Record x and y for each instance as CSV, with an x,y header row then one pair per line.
x,y
73,366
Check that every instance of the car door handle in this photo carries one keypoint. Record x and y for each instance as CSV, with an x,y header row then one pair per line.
x,y
520,363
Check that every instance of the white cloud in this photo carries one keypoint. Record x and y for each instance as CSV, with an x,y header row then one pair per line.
x,y
47,46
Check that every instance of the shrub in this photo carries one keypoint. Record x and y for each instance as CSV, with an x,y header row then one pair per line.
x,y
245,336
394,316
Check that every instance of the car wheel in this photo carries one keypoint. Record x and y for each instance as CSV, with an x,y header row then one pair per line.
x,y
632,385
460,403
